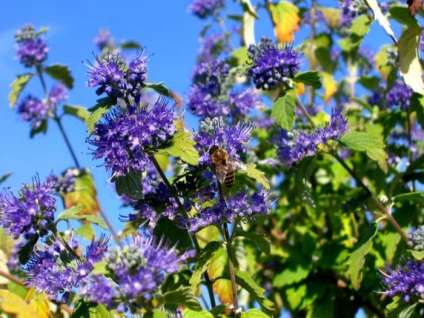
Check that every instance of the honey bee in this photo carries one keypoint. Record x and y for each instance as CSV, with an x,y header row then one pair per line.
x,y
225,165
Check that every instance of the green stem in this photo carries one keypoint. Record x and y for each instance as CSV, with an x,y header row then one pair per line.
x,y
231,269
64,243
208,282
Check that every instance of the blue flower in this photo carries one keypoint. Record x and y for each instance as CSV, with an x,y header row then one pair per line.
x,y
293,147
30,213
124,139
136,274
33,110
399,95
206,8
272,66
406,281
117,79
54,270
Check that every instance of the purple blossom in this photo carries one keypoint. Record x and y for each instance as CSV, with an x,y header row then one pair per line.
x,y
116,79
318,17
399,95
293,147
31,212
203,103
238,206
123,139
55,270
212,46
243,102
214,132
33,110
376,99
103,39
65,183
206,8
272,65
138,270
59,93
32,52
349,12
406,281
416,239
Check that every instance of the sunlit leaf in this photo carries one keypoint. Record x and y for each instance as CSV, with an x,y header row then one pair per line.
x,y
382,62
381,18
285,16
401,15
254,313
417,197
203,260
85,194
360,27
91,310
77,111
256,175
309,78
283,109
181,146
159,88
223,288
15,306
330,86
102,107
189,313
357,258
18,86
398,308
86,231
39,303
183,296
73,214
259,240
248,25
409,61
61,73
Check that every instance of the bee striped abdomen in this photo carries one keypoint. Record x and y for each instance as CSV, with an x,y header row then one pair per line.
x,y
230,177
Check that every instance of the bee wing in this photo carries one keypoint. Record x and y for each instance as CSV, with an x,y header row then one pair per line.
x,y
221,172
237,164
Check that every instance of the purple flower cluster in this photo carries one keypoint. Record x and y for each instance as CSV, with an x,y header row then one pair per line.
x,y
349,12
31,49
103,39
405,281
134,275
206,8
117,79
65,183
212,46
55,270
272,65
293,147
210,96
238,206
124,138
30,213
59,93
399,95
416,239
214,132
33,110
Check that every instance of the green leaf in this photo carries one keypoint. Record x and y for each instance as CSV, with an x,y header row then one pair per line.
x,y
86,231
183,296
357,258
400,309
41,129
130,185
77,111
102,107
256,175
61,73
4,177
370,82
26,251
90,310
261,241
159,88
72,213
254,313
409,60
418,255
372,145
181,146
401,15
283,109
309,78
128,45
417,197
188,313
18,86
245,280
166,230
218,310
304,171
155,313
202,263
360,27
417,105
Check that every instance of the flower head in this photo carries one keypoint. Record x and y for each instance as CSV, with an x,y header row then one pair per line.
x,y
124,138
103,39
138,270
30,213
272,65
32,50
54,270
33,110
293,147
399,95
116,79
206,8
59,93
406,281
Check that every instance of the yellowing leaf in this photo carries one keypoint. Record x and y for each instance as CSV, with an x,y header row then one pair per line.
x,y
285,16
85,194
330,86
222,287
381,59
39,303
13,305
